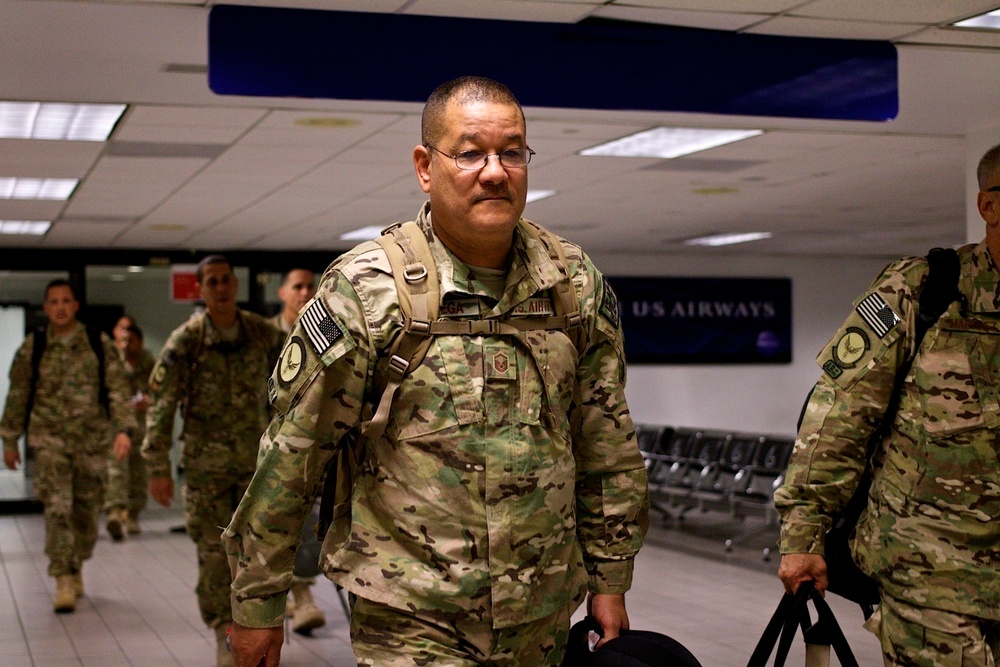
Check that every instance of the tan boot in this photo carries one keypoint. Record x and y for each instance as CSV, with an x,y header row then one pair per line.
x,y
132,523
78,584
223,658
306,616
65,601
115,524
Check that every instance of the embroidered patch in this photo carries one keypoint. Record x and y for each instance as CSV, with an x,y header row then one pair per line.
x,y
290,363
500,362
832,369
319,326
460,308
877,314
272,391
159,376
851,347
609,304
534,307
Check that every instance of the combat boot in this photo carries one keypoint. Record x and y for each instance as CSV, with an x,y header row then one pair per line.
x,y
78,583
132,523
115,524
306,616
223,658
65,601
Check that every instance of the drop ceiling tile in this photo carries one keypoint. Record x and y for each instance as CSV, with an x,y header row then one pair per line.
x,y
734,6
30,209
956,37
898,11
48,159
508,10
82,234
834,29
680,17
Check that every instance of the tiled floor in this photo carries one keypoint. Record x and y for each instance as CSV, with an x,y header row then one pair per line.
x,y
139,609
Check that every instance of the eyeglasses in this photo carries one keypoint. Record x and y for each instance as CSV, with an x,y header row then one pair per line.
x,y
513,158
995,188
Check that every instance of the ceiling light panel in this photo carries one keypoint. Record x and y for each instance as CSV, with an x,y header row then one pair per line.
x,y
37,188
669,142
728,239
990,20
50,120
24,227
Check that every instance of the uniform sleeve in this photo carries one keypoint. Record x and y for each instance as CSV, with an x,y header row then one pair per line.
x,y
12,422
316,391
119,392
167,387
612,495
859,366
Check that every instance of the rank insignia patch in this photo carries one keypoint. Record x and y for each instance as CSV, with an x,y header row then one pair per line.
x,y
320,327
877,314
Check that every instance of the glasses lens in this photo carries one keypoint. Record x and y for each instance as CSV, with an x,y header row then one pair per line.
x,y
471,160
515,157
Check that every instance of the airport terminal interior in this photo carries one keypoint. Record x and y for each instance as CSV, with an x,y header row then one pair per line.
x,y
843,134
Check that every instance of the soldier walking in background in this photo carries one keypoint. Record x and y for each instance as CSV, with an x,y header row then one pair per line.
x,y
215,368
126,488
69,396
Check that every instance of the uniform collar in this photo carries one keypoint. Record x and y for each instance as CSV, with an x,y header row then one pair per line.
x,y
981,280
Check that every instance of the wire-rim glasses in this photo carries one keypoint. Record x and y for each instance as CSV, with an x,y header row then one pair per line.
x,y
512,158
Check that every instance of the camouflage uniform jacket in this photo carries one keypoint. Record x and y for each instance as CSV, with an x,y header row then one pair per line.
x,y
507,474
138,381
221,387
66,395
931,534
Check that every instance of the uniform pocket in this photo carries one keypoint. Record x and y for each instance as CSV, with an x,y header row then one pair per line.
x,y
947,377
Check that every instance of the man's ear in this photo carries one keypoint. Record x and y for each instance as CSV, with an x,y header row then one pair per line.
x,y
422,164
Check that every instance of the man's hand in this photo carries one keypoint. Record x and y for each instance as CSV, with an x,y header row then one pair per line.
x,y
609,612
162,490
11,457
122,446
796,568
252,647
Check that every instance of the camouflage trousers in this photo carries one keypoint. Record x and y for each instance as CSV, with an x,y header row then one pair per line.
x,y
127,483
68,482
918,637
382,636
211,499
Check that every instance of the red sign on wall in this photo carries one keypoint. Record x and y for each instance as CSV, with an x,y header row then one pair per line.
x,y
184,283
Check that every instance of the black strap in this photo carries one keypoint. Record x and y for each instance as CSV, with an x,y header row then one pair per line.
x,y
792,612
97,345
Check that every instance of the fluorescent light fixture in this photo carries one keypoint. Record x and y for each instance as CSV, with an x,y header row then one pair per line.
x,y
728,239
51,120
535,195
37,188
136,269
990,20
24,227
362,234
669,142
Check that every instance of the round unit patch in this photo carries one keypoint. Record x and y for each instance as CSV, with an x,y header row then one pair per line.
x,y
290,364
851,347
160,375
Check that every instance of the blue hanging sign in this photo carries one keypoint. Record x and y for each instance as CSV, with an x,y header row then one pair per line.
x,y
593,64
705,320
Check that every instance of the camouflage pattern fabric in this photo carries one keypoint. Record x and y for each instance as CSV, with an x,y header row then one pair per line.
x,y
126,483
382,636
71,435
508,480
930,535
921,637
221,387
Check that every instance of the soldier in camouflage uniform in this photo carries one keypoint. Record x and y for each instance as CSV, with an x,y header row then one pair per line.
x,y
215,367
70,432
507,483
126,487
930,536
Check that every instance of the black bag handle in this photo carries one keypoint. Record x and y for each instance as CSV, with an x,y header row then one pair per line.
x,y
791,612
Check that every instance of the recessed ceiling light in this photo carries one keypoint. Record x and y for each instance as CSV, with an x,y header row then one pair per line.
x,y
24,227
37,188
728,239
669,142
535,195
52,120
362,234
989,20
136,269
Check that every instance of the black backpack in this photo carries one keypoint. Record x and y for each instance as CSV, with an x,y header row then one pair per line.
x,y
845,578
38,349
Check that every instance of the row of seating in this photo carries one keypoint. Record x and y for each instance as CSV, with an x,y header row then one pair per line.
x,y
714,471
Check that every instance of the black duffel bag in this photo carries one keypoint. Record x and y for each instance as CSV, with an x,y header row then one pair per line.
x,y
632,648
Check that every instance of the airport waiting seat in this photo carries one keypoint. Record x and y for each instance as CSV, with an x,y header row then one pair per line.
x,y
692,477
651,439
753,493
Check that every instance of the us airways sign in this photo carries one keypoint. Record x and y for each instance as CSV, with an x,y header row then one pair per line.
x,y
705,320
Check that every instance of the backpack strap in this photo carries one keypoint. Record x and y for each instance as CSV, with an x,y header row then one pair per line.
x,y
97,345
37,350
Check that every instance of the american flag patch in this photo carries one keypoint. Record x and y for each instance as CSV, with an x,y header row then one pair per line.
x,y
320,328
877,314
